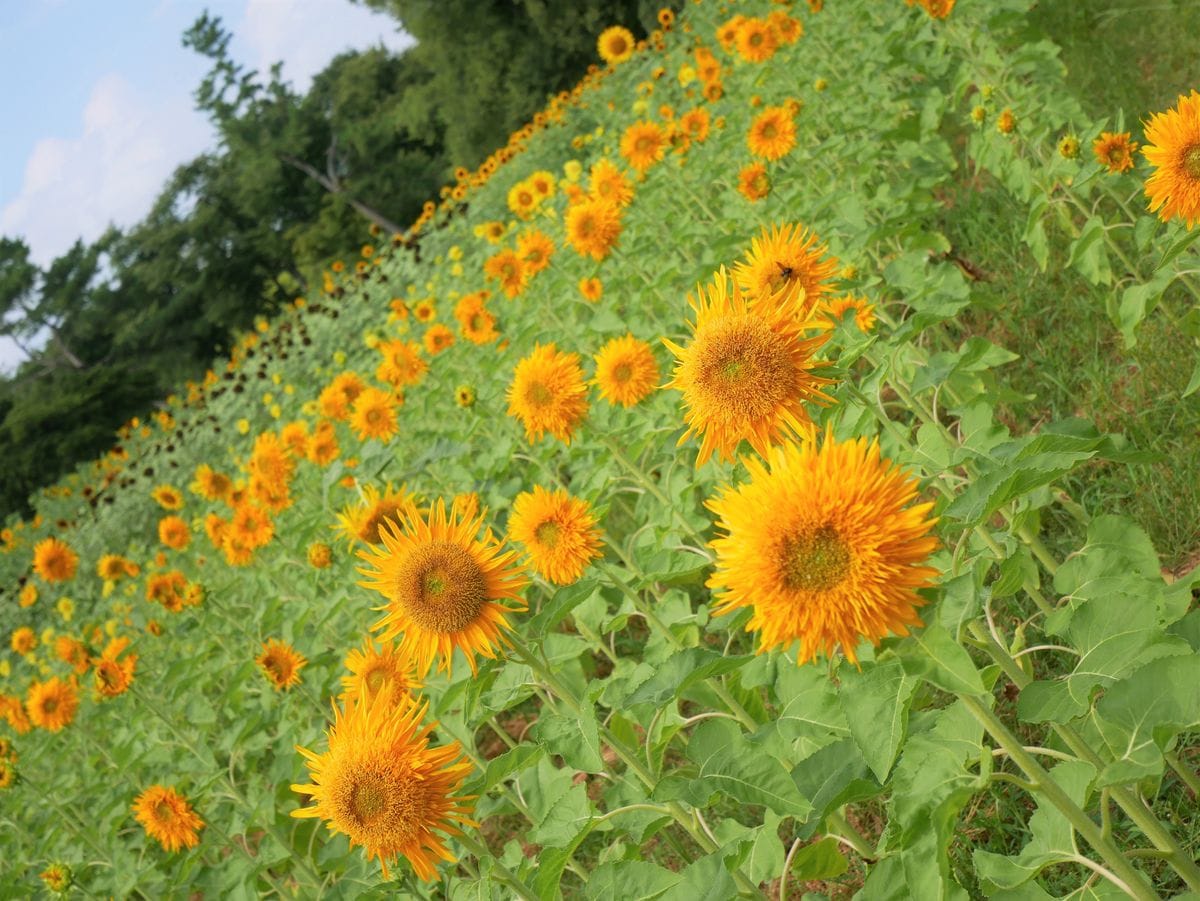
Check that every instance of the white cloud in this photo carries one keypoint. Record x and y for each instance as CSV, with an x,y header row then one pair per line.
x,y
110,172
307,34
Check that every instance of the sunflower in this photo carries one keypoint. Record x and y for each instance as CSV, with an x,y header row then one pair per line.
x,y
785,256
173,532
534,249
523,199
280,663
425,311
168,497
210,484
825,545
113,673
364,521
294,436
464,396
508,269
748,370
1173,189
643,144
937,9
72,652
438,338
386,667
542,183
57,877
402,363
23,641
695,124
626,371
557,531
753,182
168,818
374,415
864,314
786,29
444,586
756,40
593,227
28,596
772,134
615,45
319,555
1006,124
607,182
591,289
476,321
1114,150
548,393
52,704
12,710
1068,147
335,400
54,561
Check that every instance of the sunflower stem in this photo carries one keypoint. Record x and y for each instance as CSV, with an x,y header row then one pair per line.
x,y
482,853
838,825
646,482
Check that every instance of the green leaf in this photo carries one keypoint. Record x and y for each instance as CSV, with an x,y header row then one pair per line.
x,y
636,880
1177,248
932,654
820,860
1087,253
875,702
1193,382
1138,302
707,879
574,737
511,761
681,671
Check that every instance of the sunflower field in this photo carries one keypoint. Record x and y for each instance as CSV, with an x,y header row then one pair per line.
x,y
669,513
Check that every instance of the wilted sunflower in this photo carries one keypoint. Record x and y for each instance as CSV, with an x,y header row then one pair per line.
x,y
748,370
615,44
557,531
280,663
548,393
54,561
174,533
364,521
643,144
626,371
772,134
445,588
52,704
374,415
168,818
1114,150
783,257
168,497
386,667
402,363
593,227
1173,189
825,545
382,785
753,182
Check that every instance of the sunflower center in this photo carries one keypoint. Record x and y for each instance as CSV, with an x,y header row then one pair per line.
x,y
163,812
548,533
276,668
441,587
755,39
49,705
644,145
368,799
622,373
1191,161
616,46
745,369
1116,153
814,561
373,416
376,678
538,395
106,676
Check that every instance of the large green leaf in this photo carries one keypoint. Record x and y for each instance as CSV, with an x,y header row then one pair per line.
x,y
875,702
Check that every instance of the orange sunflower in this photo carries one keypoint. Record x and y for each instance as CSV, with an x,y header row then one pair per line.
x,y
168,818
174,533
508,269
783,257
748,370
756,40
280,663
557,531
825,545
643,144
437,338
374,415
334,402
548,393
591,289
210,484
444,587
1114,150
607,182
864,314
593,227
626,370
534,249
383,786
402,363
52,704
114,673
364,521
772,134
386,667
1173,189
753,182
54,561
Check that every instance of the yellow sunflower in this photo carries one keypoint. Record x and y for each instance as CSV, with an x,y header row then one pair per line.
x,y
374,415
386,667
749,370
168,818
593,227
444,587
1173,189
72,652
784,257
475,319
52,704
557,531
534,249
772,134
626,371
383,786
210,484
402,363
523,199
643,144
756,40
174,533
607,182
280,663
335,400
825,545
615,45
548,393
864,313
54,561
23,641
1114,150
591,289
168,497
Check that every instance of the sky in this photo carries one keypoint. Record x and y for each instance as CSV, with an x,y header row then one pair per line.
x,y
97,105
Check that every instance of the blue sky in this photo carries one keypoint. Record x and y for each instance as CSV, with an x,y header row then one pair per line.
x,y
97,104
